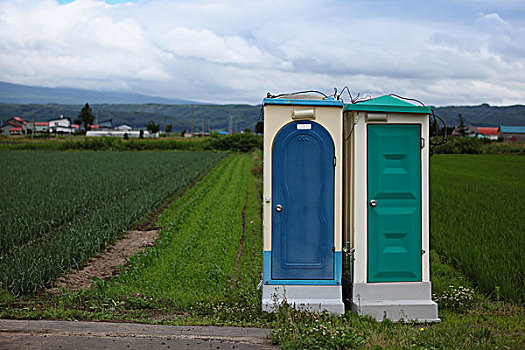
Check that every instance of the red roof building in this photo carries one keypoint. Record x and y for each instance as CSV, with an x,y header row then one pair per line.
x,y
11,127
485,131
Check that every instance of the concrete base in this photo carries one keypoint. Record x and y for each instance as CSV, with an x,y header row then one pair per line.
x,y
408,301
310,298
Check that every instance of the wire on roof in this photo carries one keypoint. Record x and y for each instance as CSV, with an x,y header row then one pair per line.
x,y
408,99
362,99
269,95
349,93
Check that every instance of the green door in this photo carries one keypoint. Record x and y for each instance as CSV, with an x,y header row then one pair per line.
x,y
394,203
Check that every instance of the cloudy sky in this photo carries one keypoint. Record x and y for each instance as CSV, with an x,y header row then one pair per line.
x,y
442,52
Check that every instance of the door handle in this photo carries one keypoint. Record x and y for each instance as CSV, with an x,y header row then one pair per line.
x,y
278,207
373,203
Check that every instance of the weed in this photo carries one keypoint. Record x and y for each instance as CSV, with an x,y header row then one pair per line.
x,y
306,330
458,299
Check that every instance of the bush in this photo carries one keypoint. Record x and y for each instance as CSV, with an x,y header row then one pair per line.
x,y
475,145
464,145
246,142
237,143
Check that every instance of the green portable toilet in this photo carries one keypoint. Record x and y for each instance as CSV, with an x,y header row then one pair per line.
x,y
386,208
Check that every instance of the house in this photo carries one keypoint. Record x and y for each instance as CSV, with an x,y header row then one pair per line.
x,y
38,127
61,125
512,133
11,128
467,131
14,126
488,132
62,122
41,127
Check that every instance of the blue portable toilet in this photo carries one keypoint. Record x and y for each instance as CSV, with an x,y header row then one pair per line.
x,y
302,209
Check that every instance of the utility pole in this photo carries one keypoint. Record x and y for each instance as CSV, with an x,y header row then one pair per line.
x,y
445,126
191,120
230,126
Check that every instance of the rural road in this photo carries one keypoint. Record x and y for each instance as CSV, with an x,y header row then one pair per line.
x,y
29,334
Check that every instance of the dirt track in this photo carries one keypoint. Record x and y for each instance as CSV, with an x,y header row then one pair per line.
x,y
104,264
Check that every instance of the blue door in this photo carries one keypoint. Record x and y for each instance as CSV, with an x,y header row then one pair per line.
x,y
394,203
303,203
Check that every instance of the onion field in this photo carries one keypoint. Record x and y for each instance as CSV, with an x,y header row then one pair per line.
x,y
478,220
58,209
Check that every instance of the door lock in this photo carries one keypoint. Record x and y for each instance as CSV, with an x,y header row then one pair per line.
x,y
278,207
373,203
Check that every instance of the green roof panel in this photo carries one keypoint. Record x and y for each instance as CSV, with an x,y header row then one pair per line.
x,y
387,103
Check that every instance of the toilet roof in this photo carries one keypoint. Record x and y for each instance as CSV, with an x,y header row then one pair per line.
x,y
387,103
329,102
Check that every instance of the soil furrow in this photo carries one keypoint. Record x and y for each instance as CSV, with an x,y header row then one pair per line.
x,y
241,243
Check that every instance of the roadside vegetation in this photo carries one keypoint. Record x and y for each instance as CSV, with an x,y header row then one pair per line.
x,y
206,266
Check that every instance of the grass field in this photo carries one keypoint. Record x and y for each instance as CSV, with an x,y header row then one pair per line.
x,y
59,208
206,265
478,220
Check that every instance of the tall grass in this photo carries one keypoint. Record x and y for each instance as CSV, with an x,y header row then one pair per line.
x,y
478,219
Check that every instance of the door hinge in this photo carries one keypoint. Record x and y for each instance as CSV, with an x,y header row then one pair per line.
x,y
422,143
335,161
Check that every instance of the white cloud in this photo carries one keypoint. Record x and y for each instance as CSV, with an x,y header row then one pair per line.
x,y
236,51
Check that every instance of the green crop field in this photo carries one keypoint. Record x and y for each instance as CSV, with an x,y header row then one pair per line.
x,y
59,208
210,245
478,219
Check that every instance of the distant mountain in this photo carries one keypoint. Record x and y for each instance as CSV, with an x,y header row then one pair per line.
x,y
484,115
44,104
14,93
